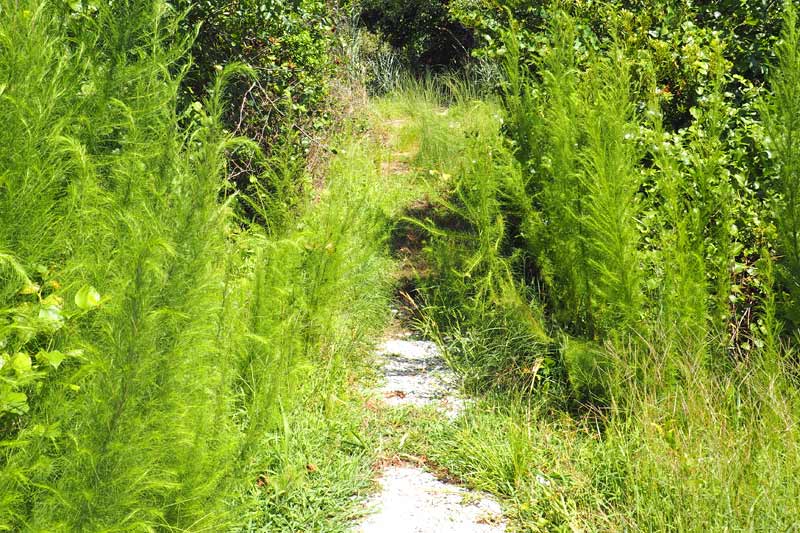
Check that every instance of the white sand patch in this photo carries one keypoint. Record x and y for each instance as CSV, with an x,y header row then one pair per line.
x,y
414,501
415,374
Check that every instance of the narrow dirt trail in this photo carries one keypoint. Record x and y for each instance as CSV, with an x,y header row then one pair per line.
x,y
415,375
411,499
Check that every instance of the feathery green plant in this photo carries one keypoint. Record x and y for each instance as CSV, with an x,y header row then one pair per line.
x,y
559,243
520,101
781,115
680,321
611,182
137,448
135,431
712,197
151,396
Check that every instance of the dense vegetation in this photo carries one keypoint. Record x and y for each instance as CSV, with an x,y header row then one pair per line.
x,y
156,359
610,231
616,246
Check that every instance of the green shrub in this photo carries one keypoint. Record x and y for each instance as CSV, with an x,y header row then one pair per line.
x,y
285,42
286,104
587,367
673,32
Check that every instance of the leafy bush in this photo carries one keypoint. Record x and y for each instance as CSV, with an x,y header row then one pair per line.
x,y
673,33
284,106
285,42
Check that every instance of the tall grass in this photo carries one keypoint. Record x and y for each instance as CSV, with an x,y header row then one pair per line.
x,y
172,344
318,295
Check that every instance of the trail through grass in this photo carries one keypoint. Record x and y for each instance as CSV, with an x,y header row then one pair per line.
x,y
177,356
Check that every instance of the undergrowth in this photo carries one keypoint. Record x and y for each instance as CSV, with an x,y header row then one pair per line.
x,y
619,292
610,287
166,365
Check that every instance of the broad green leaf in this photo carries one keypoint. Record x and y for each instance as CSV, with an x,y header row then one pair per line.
x,y
87,297
13,402
21,363
54,358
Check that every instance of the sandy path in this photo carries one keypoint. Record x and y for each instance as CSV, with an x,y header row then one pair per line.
x,y
412,500
416,374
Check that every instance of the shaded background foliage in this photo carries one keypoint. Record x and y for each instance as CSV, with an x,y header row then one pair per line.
x,y
426,32
284,106
287,43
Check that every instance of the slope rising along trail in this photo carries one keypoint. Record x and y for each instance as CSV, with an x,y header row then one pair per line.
x,y
415,376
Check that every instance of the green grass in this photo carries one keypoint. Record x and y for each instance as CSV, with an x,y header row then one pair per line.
x,y
166,365
313,468
319,457
697,469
